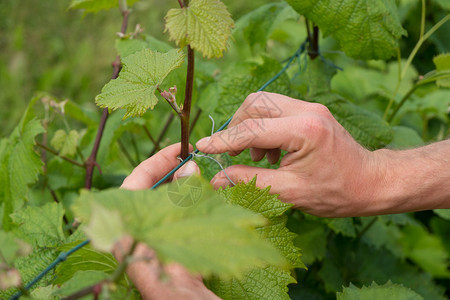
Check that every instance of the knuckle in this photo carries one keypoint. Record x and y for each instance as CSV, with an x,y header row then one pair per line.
x,y
250,125
316,127
320,109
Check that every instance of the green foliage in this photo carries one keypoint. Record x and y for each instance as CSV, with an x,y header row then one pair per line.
x,y
17,153
267,282
173,231
364,29
257,26
12,248
143,72
94,6
442,63
375,291
65,143
205,25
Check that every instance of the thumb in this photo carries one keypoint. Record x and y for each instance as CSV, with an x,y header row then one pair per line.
x,y
189,169
274,178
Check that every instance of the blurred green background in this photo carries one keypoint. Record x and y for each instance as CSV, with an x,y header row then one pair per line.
x,y
45,47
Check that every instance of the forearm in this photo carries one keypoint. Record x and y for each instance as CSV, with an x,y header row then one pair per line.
x,y
413,180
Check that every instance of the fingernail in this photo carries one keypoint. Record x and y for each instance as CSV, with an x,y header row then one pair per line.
x,y
203,142
189,169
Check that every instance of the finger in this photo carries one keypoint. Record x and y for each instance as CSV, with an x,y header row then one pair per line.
x,y
262,105
281,182
189,169
285,133
257,154
154,168
273,155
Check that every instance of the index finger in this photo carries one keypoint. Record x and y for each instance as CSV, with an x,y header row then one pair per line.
x,y
154,168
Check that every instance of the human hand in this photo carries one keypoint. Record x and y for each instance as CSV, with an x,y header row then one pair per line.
x,y
325,172
146,270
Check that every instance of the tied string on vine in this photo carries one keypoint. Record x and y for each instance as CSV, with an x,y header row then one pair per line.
x,y
212,158
63,255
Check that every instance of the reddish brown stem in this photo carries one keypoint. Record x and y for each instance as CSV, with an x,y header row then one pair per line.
x,y
48,149
313,48
91,161
185,114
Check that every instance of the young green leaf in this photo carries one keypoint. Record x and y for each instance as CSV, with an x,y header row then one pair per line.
x,y
205,25
65,143
365,29
142,73
85,259
94,6
388,290
442,63
105,228
268,282
187,222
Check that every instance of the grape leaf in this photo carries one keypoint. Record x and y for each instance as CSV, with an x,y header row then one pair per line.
x,y
105,228
42,293
426,250
311,239
366,127
94,6
442,63
388,290
141,74
443,213
65,143
205,25
40,226
365,29
19,165
343,226
85,259
187,222
127,46
82,279
258,25
268,282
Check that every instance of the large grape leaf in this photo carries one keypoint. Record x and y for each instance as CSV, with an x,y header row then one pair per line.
x,y
19,165
361,264
388,290
268,282
40,226
94,6
142,73
187,222
365,29
366,127
205,25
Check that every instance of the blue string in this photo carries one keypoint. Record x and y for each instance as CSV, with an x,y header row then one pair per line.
x,y
63,255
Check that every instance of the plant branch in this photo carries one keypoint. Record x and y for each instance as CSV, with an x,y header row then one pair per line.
x,y
171,100
313,45
181,3
186,111
91,161
397,108
367,227
162,134
74,162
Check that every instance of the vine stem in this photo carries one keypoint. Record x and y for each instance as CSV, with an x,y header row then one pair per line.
x,y
423,37
48,149
91,161
186,110
367,227
162,134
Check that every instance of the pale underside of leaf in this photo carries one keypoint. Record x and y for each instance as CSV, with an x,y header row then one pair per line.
x,y
143,72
